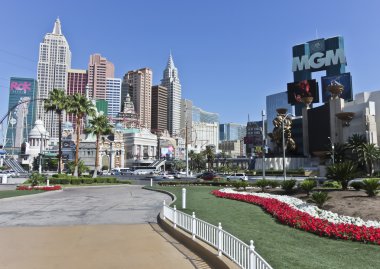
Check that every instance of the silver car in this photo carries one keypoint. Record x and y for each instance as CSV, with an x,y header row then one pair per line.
x,y
237,176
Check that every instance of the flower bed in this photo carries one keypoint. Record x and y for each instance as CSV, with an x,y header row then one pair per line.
x,y
38,188
299,215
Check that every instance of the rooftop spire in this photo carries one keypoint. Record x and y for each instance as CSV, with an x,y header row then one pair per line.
x,y
170,64
57,27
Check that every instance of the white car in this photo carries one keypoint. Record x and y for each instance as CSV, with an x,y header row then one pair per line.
x,y
237,176
166,176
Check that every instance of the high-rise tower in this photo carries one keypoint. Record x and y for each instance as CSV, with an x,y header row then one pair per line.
x,y
53,64
171,82
139,84
99,69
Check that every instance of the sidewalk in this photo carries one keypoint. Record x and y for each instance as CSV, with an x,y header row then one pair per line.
x,y
91,246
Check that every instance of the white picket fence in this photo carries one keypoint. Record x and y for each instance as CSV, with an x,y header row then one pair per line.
x,y
243,255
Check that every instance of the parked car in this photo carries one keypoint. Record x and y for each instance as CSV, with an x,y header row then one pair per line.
x,y
105,173
167,176
208,176
126,171
237,176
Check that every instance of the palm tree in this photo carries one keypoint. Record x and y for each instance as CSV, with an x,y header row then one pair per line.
x,y
210,156
57,102
367,154
79,106
99,126
199,161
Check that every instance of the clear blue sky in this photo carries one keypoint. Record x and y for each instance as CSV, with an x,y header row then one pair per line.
x,y
230,54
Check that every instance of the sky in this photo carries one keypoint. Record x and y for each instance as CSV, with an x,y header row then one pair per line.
x,y
230,54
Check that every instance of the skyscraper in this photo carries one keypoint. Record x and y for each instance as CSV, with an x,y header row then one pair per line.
x,y
21,120
171,82
200,115
53,64
99,69
113,96
140,89
274,101
231,131
159,108
77,83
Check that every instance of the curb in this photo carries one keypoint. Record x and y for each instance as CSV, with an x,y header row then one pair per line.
x,y
202,249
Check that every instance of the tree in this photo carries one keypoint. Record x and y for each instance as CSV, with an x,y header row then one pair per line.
x,y
199,161
367,154
99,126
179,165
79,106
80,167
57,102
342,172
210,156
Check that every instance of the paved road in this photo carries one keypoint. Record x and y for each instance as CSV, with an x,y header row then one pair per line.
x,y
80,206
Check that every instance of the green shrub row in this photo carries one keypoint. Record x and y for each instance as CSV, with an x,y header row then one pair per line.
x,y
197,183
69,176
78,181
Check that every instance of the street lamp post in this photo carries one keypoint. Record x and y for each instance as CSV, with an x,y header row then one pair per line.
x,y
283,144
264,144
40,165
332,150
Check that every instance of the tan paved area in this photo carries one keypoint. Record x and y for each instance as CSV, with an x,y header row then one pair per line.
x,y
90,246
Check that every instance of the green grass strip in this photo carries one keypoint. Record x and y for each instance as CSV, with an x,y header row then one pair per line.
x,y
281,246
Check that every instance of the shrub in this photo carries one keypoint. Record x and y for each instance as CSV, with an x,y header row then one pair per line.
x,y
307,185
54,181
64,181
288,185
262,183
274,183
101,180
370,186
88,180
76,181
319,198
342,172
332,184
35,179
240,184
111,180
357,185
124,182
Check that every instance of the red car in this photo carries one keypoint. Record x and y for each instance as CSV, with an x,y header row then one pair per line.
x,y
208,176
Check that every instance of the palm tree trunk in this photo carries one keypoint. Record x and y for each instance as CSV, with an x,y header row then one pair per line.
x,y
60,143
96,156
77,148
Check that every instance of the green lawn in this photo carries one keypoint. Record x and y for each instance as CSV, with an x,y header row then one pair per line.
x,y
6,194
281,246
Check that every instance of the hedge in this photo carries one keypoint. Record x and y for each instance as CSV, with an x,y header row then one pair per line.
x,y
64,180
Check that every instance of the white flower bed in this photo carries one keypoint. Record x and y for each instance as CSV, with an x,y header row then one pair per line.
x,y
311,209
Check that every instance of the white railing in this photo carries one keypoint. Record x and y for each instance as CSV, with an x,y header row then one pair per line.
x,y
243,255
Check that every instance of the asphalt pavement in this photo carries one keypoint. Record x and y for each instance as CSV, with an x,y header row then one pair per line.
x,y
124,204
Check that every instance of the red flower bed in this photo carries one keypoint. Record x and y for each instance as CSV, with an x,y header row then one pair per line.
x,y
38,188
303,221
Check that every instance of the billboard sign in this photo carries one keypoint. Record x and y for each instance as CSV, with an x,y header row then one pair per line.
x,y
20,87
344,79
304,88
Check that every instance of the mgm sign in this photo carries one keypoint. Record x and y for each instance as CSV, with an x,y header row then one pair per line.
x,y
318,55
